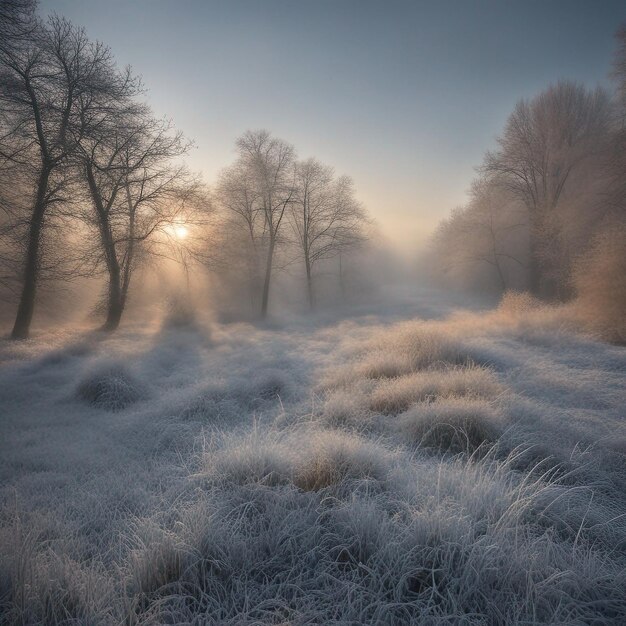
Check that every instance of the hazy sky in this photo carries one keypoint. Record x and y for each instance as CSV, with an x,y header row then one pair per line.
x,y
403,96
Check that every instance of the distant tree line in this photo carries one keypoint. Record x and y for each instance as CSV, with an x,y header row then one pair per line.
x,y
547,212
91,182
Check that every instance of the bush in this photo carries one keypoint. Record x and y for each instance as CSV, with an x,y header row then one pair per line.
x,y
451,425
517,303
600,283
334,457
398,394
309,462
179,313
110,386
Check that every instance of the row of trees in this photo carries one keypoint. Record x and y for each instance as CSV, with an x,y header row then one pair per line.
x,y
546,198
92,182
278,211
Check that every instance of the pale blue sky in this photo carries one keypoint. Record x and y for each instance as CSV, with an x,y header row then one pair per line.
x,y
403,96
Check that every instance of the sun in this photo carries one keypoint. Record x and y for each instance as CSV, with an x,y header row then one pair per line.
x,y
180,231
177,230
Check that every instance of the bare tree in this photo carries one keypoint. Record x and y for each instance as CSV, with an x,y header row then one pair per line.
x,y
269,163
137,189
545,141
485,232
243,226
325,218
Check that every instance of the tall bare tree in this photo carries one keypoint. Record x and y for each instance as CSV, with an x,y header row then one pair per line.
x,y
243,225
269,164
137,188
325,218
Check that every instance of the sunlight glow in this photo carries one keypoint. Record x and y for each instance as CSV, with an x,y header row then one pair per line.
x,y
178,230
181,231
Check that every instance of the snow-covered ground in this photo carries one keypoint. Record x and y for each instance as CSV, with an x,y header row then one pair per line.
x,y
410,463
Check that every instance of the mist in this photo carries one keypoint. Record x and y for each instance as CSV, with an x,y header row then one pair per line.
x,y
305,325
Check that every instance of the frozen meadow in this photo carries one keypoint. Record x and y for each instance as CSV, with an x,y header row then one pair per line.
x,y
417,464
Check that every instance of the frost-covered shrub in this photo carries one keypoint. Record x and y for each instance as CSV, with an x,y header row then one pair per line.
x,y
254,459
333,457
110,386
516,303
397,351
451,425
398,394
428,347
310,462
180,313
600,283
157,560
346,407
270,384
214,404
384,364
223,403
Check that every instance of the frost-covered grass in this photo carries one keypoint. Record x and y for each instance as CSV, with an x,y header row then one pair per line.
x,y
466,469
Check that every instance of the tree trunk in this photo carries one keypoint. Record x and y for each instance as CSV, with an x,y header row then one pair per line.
x,y
115,303
494,251
268,278
534,260
130,255
116,296
309,283
545,258
26,306
500,276
342,285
